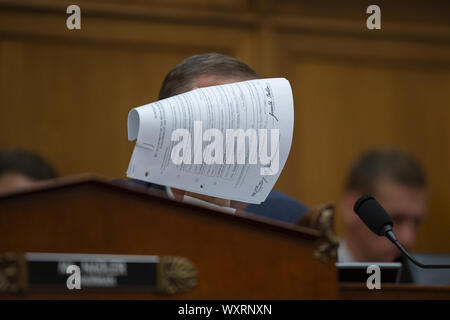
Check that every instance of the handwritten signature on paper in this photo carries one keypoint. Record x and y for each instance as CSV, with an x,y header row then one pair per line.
x,y
270,102
259,186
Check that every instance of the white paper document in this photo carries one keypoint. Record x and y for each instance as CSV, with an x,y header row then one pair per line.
x,y
229,141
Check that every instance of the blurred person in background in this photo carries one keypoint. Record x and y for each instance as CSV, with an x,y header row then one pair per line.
x,y
397,180
21,168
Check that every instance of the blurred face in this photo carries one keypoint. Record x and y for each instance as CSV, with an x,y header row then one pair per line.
x,y
406,206
12,181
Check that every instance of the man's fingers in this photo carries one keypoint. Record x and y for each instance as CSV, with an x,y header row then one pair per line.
x,y
217,201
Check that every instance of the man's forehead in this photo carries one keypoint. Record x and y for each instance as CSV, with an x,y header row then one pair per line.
x,y
13,180
207,80
397,197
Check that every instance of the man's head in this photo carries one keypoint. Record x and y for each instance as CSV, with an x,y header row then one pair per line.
x,y
20,168
398,182
204,70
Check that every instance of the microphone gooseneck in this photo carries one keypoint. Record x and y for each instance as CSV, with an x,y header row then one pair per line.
x,y
379,222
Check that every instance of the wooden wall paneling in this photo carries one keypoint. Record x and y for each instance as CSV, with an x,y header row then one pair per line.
x,y
69,92
366,93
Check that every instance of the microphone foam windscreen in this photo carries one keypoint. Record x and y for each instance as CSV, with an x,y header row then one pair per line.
x,y
372,214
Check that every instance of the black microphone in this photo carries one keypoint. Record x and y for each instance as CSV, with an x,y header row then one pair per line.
x,y
380,223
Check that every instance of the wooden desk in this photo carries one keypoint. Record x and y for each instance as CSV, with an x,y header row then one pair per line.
x,y
237,256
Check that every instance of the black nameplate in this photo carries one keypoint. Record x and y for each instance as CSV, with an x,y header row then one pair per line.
x,y
91,271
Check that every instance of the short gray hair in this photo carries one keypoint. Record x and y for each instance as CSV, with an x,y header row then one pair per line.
x,y
181,78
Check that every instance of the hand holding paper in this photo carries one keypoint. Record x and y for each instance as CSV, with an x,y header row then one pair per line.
x,y
229,141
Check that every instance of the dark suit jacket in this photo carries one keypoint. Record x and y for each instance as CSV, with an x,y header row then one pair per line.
x,y
277,206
